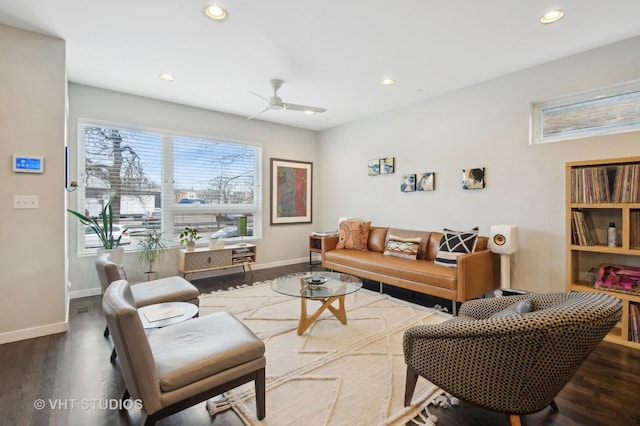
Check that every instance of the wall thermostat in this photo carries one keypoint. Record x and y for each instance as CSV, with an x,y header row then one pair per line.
x,y
28,164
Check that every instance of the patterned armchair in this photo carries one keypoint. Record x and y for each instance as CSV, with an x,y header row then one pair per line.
x,y
515,364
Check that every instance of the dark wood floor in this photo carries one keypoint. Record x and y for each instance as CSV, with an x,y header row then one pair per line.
x,y
71,376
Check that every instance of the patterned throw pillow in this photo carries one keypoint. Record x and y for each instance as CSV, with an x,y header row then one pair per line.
x,y
402,247
353,235
453,244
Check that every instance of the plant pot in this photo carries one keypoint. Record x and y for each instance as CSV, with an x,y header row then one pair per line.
x,y
117,254
215,243
191,245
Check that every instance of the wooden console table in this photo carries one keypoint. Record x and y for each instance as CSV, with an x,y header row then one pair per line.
x,y
209,259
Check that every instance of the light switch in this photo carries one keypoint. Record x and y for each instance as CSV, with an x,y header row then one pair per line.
x,y
25,201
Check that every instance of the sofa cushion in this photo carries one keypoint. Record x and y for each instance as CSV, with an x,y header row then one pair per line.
x,y
402,247
407,233
377,239
353,235
455,243
393,268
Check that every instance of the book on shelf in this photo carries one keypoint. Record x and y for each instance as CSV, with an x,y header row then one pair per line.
x,y
582,229
617,183
325,233
634,230
246,259
634,326
241,251
162,314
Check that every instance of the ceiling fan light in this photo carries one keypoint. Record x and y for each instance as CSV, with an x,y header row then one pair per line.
x,y
552,16
216,12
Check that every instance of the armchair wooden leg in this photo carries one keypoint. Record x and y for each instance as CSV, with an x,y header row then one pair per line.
x,y
260,384
410,385
125,396
515,420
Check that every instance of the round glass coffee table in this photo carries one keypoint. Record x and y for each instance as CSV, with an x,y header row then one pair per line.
x,y
325,287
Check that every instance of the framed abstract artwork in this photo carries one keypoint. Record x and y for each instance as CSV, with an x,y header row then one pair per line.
x,y
425,181
291,185
473,178
387,165
373,167
408,183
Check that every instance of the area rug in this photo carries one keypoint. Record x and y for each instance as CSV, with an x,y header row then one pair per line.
x,y
333,374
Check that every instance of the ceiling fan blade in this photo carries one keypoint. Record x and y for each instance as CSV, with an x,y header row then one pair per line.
x,y
258,113
296,107
258,95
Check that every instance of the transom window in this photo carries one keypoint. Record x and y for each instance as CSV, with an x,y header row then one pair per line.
x,y
166,182
609,110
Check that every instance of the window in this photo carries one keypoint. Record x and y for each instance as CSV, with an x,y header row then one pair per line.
x,y
608,110
166,182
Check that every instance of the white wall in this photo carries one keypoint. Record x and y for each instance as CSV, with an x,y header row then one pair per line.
x,y
32,122
277,142
481,126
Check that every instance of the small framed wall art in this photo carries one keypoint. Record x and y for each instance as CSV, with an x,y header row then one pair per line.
x,y
374,167
473,178
387,165
408,183
425,181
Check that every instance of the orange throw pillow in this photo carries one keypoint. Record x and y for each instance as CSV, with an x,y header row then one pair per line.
x,y
353,235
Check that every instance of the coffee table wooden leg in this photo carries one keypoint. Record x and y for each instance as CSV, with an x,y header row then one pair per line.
x,y
306,321
341,312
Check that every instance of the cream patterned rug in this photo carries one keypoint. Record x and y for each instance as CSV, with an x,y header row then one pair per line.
x,y
333,374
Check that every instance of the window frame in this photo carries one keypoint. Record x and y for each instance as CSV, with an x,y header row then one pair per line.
x,y
168,207
612,93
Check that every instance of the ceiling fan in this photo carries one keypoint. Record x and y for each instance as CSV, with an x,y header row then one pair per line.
x,y
275,103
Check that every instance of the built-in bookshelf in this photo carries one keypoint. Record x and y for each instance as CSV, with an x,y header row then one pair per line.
x,y
598,193
634,326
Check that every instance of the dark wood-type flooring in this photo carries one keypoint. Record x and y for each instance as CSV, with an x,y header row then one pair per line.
x,y
71,376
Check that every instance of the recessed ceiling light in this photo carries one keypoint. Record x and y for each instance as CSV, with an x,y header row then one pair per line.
x,y
166,77
308,112
216,12
387,81
551,16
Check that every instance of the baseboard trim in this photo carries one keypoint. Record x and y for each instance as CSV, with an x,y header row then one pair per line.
x,y
97,291
30,333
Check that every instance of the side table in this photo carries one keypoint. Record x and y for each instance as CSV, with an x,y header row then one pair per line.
x,y
318,244
166,313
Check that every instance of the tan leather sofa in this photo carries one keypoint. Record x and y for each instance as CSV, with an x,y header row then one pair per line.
x,y
476,273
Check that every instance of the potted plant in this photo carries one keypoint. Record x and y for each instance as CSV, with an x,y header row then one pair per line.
x,y
103,228
189,237
152,249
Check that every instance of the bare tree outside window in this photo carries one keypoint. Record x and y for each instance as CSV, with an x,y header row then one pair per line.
x,y
113,167
165,182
